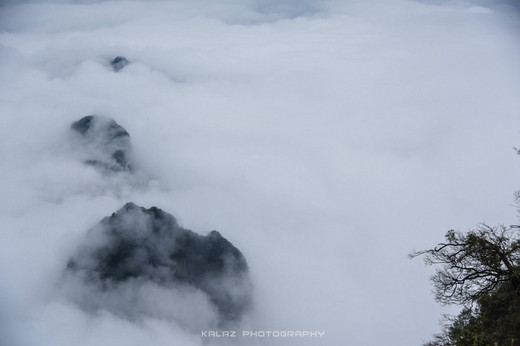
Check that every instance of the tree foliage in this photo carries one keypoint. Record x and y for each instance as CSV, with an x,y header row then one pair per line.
x,y
479,270
474,263
493,320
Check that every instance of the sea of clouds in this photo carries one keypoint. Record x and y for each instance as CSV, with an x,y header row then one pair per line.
x,y
324,139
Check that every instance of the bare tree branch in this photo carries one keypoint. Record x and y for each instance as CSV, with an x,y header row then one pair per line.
x,y
474,263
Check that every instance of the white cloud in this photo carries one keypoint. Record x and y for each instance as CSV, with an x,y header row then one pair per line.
x,y
325,140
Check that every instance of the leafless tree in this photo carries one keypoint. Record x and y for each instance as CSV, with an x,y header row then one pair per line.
x,y
473,264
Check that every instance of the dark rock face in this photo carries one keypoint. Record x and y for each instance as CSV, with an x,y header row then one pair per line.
x,y
148,245
107,144
119,62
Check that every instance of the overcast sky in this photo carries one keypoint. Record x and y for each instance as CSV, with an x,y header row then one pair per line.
x,y
324,139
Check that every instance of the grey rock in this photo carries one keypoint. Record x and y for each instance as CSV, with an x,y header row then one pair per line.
x,y
106,144
119,62
148,245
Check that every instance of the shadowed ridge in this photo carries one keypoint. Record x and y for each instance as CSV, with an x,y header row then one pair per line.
x,y
149,245
106,144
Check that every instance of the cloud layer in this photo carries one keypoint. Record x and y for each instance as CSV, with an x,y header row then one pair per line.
x,y
324,139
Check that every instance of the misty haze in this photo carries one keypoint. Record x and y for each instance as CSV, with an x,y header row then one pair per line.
x,y
176,172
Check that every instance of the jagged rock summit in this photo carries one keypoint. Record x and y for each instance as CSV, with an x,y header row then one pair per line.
x,y
106,144
148,245
118,63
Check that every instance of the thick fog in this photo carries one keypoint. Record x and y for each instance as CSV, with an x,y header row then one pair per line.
x,y
324,139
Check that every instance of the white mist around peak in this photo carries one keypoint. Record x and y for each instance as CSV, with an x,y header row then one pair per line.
x,y
325,140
